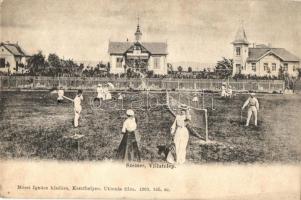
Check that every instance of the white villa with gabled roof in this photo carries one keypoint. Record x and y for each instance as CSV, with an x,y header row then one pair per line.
x,y
261,60
138,56
11,58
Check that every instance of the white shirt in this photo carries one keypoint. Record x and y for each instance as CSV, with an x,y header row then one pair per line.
x,y
195,99
60,94
179,122
251,102
129,125
105,90
77,102
99,91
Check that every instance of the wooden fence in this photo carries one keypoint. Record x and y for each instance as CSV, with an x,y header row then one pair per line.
x,y
31,82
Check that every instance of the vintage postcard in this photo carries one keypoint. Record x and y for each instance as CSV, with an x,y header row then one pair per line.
x,y
137,99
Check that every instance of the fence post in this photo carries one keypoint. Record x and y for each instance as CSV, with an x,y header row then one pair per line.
x,y
178,84
147,99
269,86
206,124
203,99
9,82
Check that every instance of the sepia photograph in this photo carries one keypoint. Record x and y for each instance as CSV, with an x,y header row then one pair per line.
x,y
136,99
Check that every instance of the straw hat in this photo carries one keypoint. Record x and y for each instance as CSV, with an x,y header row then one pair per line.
x,y
130,112
252,94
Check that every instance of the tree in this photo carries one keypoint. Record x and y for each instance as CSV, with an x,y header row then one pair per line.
x,y
55,65
224,68
36,63
189,69
169,68
54,60
150,74
129,73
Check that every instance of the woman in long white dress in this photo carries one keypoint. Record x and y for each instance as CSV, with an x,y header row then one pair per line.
x,y
181,136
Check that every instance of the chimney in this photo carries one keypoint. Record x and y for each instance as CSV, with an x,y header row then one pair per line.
x,y
269,45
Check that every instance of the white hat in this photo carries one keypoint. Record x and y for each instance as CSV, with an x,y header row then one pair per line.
x,y
252,94
99,85
130,112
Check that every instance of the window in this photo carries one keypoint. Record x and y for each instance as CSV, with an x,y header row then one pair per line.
x,y
119,63
254,67
273,66
2,62
285,66
237,51
156,62
265,66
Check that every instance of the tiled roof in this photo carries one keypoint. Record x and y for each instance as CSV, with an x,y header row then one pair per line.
x,y
240,37
152,47
15,49
256,53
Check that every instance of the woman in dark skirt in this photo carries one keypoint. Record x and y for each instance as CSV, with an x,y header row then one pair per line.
x,y
128,149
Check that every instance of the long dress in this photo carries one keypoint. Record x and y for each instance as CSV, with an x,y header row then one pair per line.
x,y
180,139
128,149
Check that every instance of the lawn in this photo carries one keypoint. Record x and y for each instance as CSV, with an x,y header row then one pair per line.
x,y
33,126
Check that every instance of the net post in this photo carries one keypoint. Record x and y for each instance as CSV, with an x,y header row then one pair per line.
x,y
122,104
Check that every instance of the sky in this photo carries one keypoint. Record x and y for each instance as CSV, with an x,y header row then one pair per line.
x,y
195,30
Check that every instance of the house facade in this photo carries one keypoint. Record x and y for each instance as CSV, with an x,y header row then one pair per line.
x,y
138,56
12,58
261,60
